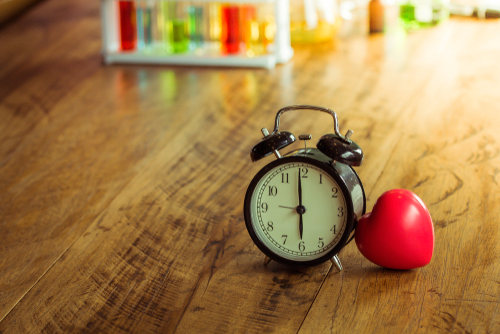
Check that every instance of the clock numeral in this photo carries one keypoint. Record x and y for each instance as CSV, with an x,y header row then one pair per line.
x,y
273,191
270,226
264,207
321,244
334,229
341,211
320,178
304,173
335,191
302,247
284,236
284,178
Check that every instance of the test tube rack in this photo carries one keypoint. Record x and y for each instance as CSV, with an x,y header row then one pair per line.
x,y
278,51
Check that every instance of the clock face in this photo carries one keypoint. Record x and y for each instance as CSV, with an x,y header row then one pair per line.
x,y
295,191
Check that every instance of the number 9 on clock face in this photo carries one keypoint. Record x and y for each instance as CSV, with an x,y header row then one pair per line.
x,y
297,212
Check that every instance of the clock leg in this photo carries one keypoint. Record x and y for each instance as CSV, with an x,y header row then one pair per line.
x,y
336,262
266,261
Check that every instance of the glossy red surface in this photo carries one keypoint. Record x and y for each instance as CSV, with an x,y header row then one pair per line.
x,y
398,233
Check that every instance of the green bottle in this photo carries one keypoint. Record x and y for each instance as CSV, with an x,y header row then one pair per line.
x,y
415,14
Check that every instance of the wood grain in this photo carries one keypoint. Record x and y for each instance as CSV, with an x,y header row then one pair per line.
x,y
123,186
449,157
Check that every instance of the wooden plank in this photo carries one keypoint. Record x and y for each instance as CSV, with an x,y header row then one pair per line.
x,y
47,203
173,241
44,56
54,125
192,211
450,157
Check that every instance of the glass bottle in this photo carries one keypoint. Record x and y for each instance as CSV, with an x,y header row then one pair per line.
x,y
415,14
376,16
313,21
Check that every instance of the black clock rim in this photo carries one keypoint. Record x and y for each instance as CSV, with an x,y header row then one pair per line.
x,y
330,171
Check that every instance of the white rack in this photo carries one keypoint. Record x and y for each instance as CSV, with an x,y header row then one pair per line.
x,y
279,52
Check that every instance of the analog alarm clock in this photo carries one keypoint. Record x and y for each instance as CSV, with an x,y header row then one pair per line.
x,y
301,208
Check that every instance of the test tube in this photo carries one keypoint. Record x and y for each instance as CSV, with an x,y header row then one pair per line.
x,y
250,30
214,26
162,36
230,29
127,25
140,25
176,27
148,23
267,25
195,26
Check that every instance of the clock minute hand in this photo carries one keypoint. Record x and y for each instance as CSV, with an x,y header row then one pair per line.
x,y
300,190
301,225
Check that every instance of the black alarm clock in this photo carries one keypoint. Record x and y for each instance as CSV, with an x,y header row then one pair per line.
x,y
301,208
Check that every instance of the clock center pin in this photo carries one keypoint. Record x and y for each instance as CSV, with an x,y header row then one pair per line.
x,y
301,209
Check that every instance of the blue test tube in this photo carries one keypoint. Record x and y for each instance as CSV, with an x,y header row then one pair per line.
x,y
140,26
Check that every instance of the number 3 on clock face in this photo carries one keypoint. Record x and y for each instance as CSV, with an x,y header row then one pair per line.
x,y
297,211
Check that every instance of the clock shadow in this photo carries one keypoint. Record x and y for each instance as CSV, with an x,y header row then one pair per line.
x,y
286,269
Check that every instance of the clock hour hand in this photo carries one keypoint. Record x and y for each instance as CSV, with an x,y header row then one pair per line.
x,y
287,207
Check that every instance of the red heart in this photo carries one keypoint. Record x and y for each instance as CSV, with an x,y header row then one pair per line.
x,y
398,233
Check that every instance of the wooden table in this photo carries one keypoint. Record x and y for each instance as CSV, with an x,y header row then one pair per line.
x,y
122,186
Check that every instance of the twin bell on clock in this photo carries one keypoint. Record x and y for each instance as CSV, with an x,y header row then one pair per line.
x,y
302,208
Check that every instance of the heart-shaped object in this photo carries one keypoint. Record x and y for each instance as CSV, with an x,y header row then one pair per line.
x,y
398,233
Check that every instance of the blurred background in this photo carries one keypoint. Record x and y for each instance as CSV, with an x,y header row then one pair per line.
x,y
253,33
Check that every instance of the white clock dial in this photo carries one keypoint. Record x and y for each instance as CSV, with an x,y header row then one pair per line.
x,y
275,211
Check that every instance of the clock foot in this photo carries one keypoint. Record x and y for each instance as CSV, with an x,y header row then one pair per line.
x,y
266,261
336,262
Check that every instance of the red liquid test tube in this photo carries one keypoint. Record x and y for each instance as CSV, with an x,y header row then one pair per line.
x,y
128,27
230,29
